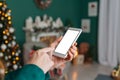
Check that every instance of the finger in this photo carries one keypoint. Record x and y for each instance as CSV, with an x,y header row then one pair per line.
x,y
59,39
74,52
74,47
70,56
46,50
74,44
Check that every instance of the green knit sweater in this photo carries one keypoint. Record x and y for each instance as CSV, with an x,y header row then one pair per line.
x,y
27,72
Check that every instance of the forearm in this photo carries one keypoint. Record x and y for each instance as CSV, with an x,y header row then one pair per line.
x,y
28,72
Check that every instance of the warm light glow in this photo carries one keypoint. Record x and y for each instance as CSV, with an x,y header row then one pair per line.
x,y
9,57
17,58
9,22
3,14
8,33
13,53
6,41
9,11
9,18
0,4
6,15
5,5
14,62
2,18
6,71
3,32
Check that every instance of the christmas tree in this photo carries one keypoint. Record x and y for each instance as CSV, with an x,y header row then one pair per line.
x,y
9,49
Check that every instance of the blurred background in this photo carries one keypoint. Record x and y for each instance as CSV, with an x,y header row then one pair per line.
x,y
26,26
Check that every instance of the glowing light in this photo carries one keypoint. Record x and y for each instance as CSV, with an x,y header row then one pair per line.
x,y
17,58
2,18
3,14
6,15
0,4
14,62
8,34
4,32
9,57
1,54
9,22
6,41
9,18
9,10
5,5
13,53
6,72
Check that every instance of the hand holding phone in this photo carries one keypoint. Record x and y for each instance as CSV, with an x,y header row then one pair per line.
x,y
68,39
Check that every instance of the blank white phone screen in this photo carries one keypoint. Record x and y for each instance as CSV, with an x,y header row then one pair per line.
x,y
67,41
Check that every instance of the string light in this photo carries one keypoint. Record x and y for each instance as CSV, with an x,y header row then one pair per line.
x,y
4,32
14,62
9,46
9,57
8,34
2,18
5,6
9,11
9,22
9,18
17,58
3,14
6,72
6,41
13,53
6,15
0,4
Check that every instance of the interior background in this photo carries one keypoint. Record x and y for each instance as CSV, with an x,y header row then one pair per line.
x,y
67,10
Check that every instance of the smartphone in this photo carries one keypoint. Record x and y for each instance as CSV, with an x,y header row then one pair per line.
x,y
68,39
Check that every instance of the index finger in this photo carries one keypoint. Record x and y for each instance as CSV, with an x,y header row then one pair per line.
x,y
45,50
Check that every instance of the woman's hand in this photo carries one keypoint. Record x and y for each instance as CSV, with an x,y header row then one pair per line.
x,y
42,58
59,61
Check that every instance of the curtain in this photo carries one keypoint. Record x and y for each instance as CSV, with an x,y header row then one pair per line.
x,y
109,33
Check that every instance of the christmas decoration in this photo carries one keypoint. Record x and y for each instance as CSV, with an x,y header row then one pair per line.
x,y
84,49
43,4
9,49
116,73
43,29
43,23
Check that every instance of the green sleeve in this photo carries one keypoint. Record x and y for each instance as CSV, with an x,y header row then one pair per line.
x,y
27,72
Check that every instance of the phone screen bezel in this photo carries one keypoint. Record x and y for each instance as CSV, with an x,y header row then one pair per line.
x,y
64,55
